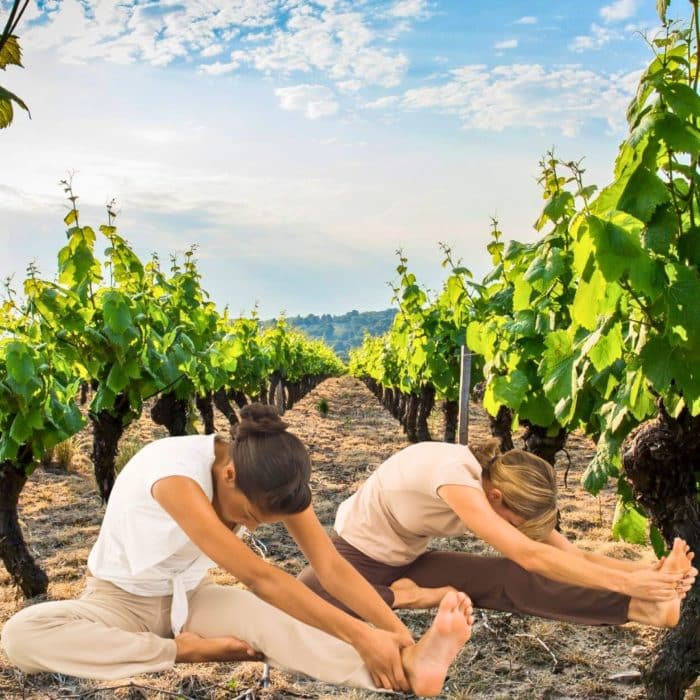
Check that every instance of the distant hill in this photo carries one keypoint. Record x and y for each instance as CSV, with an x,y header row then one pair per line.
x,y
344,332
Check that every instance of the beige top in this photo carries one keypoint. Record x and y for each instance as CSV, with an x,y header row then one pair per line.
x,y
397,511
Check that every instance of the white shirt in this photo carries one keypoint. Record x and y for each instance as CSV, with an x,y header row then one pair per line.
x,y
140,548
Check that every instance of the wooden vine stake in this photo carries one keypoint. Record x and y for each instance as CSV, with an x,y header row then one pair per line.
x,y
464,389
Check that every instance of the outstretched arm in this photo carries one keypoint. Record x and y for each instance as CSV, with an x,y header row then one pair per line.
x,y
185,501
339,577
473,509
556,539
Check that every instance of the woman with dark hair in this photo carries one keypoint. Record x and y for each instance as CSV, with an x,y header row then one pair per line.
x,y
436,489
174,513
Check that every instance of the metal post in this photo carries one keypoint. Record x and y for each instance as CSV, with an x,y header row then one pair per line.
x,y
464,388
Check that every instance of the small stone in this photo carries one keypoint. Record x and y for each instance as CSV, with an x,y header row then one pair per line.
x,y
626,677
638,650
506,667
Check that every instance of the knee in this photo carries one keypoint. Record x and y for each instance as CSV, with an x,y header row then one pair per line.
x,y
17,639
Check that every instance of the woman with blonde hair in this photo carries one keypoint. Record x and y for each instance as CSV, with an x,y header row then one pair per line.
x,y
509,500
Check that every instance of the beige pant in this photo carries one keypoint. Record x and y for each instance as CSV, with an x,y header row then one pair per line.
x,y
108,634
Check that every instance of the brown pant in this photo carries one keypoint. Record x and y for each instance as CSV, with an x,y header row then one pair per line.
x,y
491,582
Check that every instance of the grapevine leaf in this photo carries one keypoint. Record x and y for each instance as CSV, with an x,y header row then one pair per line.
x,y
20,367
511,390
682,99
116,312
558,364
660,231
629,524
6,111
608,348
644,192
657,541
616,249
679,135
689,246
11,54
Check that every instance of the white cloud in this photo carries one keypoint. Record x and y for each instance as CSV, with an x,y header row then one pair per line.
x,y
561,98
315,101
409,8
619,10
347,41
526,20
382,102
506,44
219,68
213,50
599,37
339,44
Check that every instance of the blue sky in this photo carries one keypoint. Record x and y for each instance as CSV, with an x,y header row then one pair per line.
x,y
300,143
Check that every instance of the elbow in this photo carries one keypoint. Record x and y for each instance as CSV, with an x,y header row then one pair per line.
x,y
260,580
531,559
329,580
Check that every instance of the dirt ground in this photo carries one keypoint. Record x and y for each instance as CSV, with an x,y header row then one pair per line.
x,y
509,656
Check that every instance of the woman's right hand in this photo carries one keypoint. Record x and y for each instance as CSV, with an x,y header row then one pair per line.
x,y
652,584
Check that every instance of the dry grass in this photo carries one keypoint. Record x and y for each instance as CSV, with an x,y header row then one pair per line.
x,y
510,656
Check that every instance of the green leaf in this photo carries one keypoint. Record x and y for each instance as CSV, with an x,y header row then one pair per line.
x,y
537,409
11,54
6,112
597,473
682,99
20,366
629,524
657,541
20,430
607,349
660,231
689,246
644,192
657,362
117,378
680,136
71,217
511,390
616,248
558,366
116,312
559,204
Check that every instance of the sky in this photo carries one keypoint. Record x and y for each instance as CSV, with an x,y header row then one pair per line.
x,y
301,143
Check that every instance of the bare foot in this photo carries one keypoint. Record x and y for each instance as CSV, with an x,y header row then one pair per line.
x,y
409,595
664,613
426,662
192,648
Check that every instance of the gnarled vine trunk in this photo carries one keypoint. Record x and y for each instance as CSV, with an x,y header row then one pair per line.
x,y
222,402
171,412
501,427
450,412
206,410
15,555
545,446
661,463
107,430
411,418
425,406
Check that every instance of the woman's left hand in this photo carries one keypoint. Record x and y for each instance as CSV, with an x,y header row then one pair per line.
x,y
381,652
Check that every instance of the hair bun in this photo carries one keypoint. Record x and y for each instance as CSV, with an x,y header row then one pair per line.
x,y
487,452
259,419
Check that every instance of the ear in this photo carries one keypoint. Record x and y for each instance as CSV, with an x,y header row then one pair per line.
x,y
230,474
494,495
